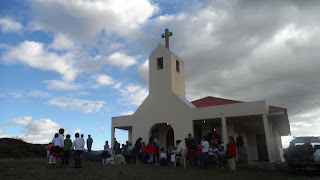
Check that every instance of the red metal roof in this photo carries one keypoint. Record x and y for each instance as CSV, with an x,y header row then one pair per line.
x,y
214,101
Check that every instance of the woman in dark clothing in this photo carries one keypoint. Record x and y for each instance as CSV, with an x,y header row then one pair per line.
x,y
137,148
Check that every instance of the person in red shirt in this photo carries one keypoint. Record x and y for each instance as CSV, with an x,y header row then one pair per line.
x,y
232,153
144,152
151,151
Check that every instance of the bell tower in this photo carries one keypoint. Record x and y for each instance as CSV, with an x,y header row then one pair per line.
x,y
166,72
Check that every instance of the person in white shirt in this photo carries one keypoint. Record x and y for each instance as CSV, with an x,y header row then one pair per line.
x,y
82,137
58,144
78,145
180,151
204,155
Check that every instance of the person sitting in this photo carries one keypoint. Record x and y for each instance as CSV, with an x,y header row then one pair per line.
x,y
178,152
163,157
222,162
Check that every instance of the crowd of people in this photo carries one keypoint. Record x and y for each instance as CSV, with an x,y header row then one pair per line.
x,y
58,150
198,154
208,151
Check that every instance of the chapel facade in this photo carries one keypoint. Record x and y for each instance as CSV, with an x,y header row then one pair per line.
x,y
167,115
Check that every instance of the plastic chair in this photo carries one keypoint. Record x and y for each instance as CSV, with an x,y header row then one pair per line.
x,y
182,158
116,158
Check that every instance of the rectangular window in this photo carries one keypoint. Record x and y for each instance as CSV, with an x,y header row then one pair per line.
x,y
177,66
160,63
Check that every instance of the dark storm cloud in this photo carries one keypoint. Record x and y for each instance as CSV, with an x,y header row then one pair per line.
x,y
250,50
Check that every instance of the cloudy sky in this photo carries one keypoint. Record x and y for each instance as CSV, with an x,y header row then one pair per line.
x,y
75,64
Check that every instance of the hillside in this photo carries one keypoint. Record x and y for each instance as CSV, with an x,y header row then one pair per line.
x,y
15,148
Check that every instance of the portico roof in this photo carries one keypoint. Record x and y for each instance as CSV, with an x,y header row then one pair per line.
x,y
214,101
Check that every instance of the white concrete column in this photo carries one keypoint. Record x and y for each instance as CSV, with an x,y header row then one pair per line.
x,y
276,144
224,130
270,144
112,136
130,135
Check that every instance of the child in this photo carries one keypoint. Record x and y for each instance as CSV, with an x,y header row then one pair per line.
x,y
48,149
163,157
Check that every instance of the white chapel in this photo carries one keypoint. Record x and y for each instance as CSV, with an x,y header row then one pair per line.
x,y
169,116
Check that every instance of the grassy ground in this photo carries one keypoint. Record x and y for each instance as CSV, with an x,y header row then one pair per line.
x,y
38,168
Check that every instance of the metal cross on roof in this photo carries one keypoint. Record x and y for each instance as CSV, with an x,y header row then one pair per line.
x,y
166,36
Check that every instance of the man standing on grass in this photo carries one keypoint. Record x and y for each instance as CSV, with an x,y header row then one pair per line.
x,y
67,148
78,146
204,155
192,150
89,144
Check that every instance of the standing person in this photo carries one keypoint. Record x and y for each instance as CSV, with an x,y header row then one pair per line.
x,y
105,154
67,148
151,152
89,144
192,150
58,147
137,147
204,153
78,145
232,153
48,147
82,138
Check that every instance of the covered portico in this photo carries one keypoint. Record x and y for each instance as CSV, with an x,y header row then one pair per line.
x,y
260,125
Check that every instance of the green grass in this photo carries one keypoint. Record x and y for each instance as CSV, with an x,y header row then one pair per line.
x,y
38,168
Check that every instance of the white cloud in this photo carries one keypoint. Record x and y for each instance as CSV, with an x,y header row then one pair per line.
x,y
8,25
40,131
35,131
143,72
77,131
17,94
85,20
102,80
118,85
127,113
121,60
138,97
62,85
84,106
62,42
35,55
21,120
286,141
37,93
131,88
100,128
133,94
2,134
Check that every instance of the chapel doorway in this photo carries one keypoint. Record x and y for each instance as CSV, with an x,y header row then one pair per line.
x,y
164,133
170,138
262,147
